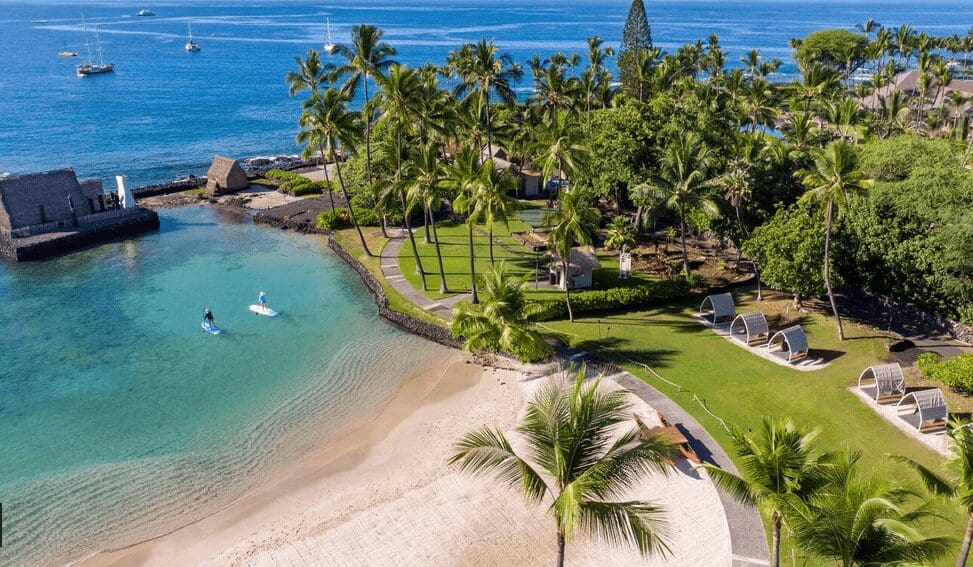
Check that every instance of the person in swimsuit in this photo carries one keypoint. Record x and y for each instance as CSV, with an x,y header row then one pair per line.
x,y
262,299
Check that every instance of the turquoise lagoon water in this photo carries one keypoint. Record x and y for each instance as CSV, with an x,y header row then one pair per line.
x,y
119,416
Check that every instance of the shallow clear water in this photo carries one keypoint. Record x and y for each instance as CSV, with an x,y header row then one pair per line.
x,y
165,112
118,415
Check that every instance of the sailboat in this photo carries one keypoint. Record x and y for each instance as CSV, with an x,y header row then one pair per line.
x,y
191,46
329,46
89,67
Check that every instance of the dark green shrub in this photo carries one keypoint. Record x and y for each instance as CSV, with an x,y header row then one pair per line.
x,y
643,295
334,220
956,373
366,217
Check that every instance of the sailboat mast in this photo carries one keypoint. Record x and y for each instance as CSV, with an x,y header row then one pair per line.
x,y
101,56
87,42
190,32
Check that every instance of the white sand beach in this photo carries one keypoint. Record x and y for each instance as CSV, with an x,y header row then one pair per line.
x,y
384,495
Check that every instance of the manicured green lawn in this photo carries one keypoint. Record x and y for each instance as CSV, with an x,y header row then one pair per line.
x,y
741,387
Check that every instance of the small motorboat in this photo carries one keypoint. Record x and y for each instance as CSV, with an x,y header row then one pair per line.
x,y
145,13
67,53
39,21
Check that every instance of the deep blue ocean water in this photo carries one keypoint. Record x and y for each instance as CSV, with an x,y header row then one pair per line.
x,y
119,417
165,112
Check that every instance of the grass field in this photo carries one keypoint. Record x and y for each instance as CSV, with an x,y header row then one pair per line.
x,y
741,387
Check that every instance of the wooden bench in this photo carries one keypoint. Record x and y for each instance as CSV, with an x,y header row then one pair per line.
x,y
670,434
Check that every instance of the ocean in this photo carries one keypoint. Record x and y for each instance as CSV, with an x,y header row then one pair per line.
x,y
121,419
165,113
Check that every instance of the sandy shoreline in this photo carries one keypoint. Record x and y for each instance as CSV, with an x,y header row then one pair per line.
x,y
383,494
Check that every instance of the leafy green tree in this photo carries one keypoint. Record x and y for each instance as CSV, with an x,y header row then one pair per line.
x,y
484,73
835,175
839,49
958,485
789,249
620,233
571,224
502,321
336,127
623,144
863,521
575,457
778,463
366,58
636,41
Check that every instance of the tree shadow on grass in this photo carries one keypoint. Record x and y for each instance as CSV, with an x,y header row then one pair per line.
x,y
826,355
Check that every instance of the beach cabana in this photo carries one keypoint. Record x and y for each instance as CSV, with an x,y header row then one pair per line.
x,y
790,344
928,409
225,176
883,382
750,328
721,308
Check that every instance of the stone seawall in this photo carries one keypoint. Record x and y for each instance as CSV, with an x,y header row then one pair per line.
x,y
426,330
186,184
44,246
901,317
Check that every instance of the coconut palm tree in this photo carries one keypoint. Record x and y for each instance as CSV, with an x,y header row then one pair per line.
x,y
424,174
835,176
337,128
958,485
571,224
310,74
778,462
366,58
862,521
620,233
575,457
485,73
561,146
759,103
494,197
463,177
683,183
315,140
502,321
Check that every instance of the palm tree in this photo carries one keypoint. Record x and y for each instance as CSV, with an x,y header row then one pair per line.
x,y
759,104
958,486
485,73
571,438
834,177
463,177
561,146
620,233
423,183
494,198
778,464
571,224
366,58
856,521
682,184
315,140
502,321
310,74
337,128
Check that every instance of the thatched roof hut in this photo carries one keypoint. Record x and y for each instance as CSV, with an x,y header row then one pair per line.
x,y
225,176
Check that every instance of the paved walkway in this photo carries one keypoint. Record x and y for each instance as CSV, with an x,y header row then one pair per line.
x,y
747,537
392,274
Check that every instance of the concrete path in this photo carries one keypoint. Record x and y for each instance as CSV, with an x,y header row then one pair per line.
x,y
392,274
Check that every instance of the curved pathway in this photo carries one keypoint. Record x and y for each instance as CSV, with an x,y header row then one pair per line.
x,y
748,539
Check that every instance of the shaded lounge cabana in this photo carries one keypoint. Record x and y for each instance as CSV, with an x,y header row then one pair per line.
x,y
883,382
789,344
929,409
750,328
721,308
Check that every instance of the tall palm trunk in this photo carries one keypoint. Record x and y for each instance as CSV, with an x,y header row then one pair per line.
x,y
560,548
368,131
427,217
405,209
827,266
324,164
491,243
489,125
474,299
964,550
439,257
351,209
682,238
775,539
566,281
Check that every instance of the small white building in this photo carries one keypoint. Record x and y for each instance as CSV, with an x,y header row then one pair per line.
x,y
581,268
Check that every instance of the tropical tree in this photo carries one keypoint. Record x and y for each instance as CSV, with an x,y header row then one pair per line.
x,y
310,75
575,457
485,73
862,521
560,146
957,485
620,233
366,58
683,183
336,127
463,177
778,463
423,183
494,198
636,40
835,176
571,224
502,321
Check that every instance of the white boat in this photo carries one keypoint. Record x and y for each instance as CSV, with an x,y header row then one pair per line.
x,y
90,67
329,46
191,46
39,21
145,13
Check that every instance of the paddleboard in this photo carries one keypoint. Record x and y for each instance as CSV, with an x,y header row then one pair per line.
x,y
261,310
210,328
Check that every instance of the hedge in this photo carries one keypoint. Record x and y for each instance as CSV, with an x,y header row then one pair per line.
x,y
642,295
957,372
